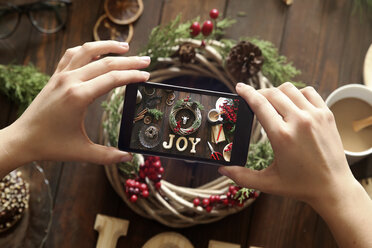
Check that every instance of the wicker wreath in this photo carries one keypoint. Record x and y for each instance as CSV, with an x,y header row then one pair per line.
x,y
196,112
172,205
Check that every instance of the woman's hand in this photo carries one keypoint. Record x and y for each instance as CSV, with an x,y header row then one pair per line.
x,y
309,158
52,128
309,161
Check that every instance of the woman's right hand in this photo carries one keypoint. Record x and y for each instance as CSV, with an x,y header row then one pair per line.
x,y
309,161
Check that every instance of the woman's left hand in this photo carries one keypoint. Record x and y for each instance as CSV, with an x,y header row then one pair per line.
x,y
52,128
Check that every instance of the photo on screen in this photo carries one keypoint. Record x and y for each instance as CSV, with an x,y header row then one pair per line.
x,y
184,123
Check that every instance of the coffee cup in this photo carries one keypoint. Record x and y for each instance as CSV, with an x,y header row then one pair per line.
x,y
350,103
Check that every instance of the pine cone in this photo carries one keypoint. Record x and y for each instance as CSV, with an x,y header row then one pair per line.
x,y
186,53
244,61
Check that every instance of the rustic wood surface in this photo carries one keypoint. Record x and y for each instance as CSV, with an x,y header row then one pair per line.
x,y
324,38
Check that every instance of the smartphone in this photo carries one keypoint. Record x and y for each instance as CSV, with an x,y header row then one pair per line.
x,y
185,123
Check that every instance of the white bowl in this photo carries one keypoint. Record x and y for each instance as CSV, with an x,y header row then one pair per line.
x,y
358,91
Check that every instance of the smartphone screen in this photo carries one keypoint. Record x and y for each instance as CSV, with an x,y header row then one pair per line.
x,y
185,123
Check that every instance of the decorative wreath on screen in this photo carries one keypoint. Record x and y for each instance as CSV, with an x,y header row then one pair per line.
x,y
187,52
194,107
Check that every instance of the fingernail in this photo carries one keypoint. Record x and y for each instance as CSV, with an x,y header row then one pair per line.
x,y
145,58
239,85
222,170
126,158
145,74
124,44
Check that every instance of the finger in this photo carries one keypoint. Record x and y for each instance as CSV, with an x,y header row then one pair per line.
x,y
283,105
107,64
265,112
99,154
245,177
295,96
90,50
313,97
66,58
103,84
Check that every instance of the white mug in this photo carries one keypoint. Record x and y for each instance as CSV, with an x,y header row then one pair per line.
x,y
358,91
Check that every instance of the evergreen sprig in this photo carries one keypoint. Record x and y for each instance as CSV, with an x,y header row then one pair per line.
x,y
21,83
275,66
163,38
260,156
157,114
111,126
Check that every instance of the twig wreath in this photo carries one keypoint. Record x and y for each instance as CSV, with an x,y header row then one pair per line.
x,y
194,107
175,51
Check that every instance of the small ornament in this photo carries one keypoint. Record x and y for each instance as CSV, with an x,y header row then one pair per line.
x,y
169,102
207,28
244,61
171,96
185,119
203,44
149,136
195,28
147,120
149,91
152,132
186,52
214,13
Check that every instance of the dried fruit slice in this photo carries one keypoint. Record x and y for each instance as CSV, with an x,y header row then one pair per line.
x,y
105,29
123,11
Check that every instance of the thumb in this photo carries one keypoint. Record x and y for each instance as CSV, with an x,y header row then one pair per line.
x,y
105,155
245,177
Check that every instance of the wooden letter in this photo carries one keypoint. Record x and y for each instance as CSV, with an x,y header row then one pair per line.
x,y
197,140
170,144
184,145
109,229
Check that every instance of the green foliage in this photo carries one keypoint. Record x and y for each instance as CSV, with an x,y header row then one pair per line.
x,y
260,156
157,114
112,123
21,83
275,66
163,38
111,126
361,5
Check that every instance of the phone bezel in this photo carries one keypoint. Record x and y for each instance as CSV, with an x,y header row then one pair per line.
x,y
240,147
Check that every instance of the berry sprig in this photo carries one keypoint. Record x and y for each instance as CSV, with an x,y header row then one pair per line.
x,y
229,112
207,27
231,198
152,170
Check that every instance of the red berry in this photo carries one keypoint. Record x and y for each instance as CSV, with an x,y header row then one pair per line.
x,y
195,28
133,198
231,188
207,28
196,202
234,192
208,208
136,191
158,185
217,198
145,193
142,174
156,158
143,186
161,170
214,13
225,202
137,184
157,164
240,204
212,198
255,194
205,202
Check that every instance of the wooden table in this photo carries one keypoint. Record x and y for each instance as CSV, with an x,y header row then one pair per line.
x,y
322,37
